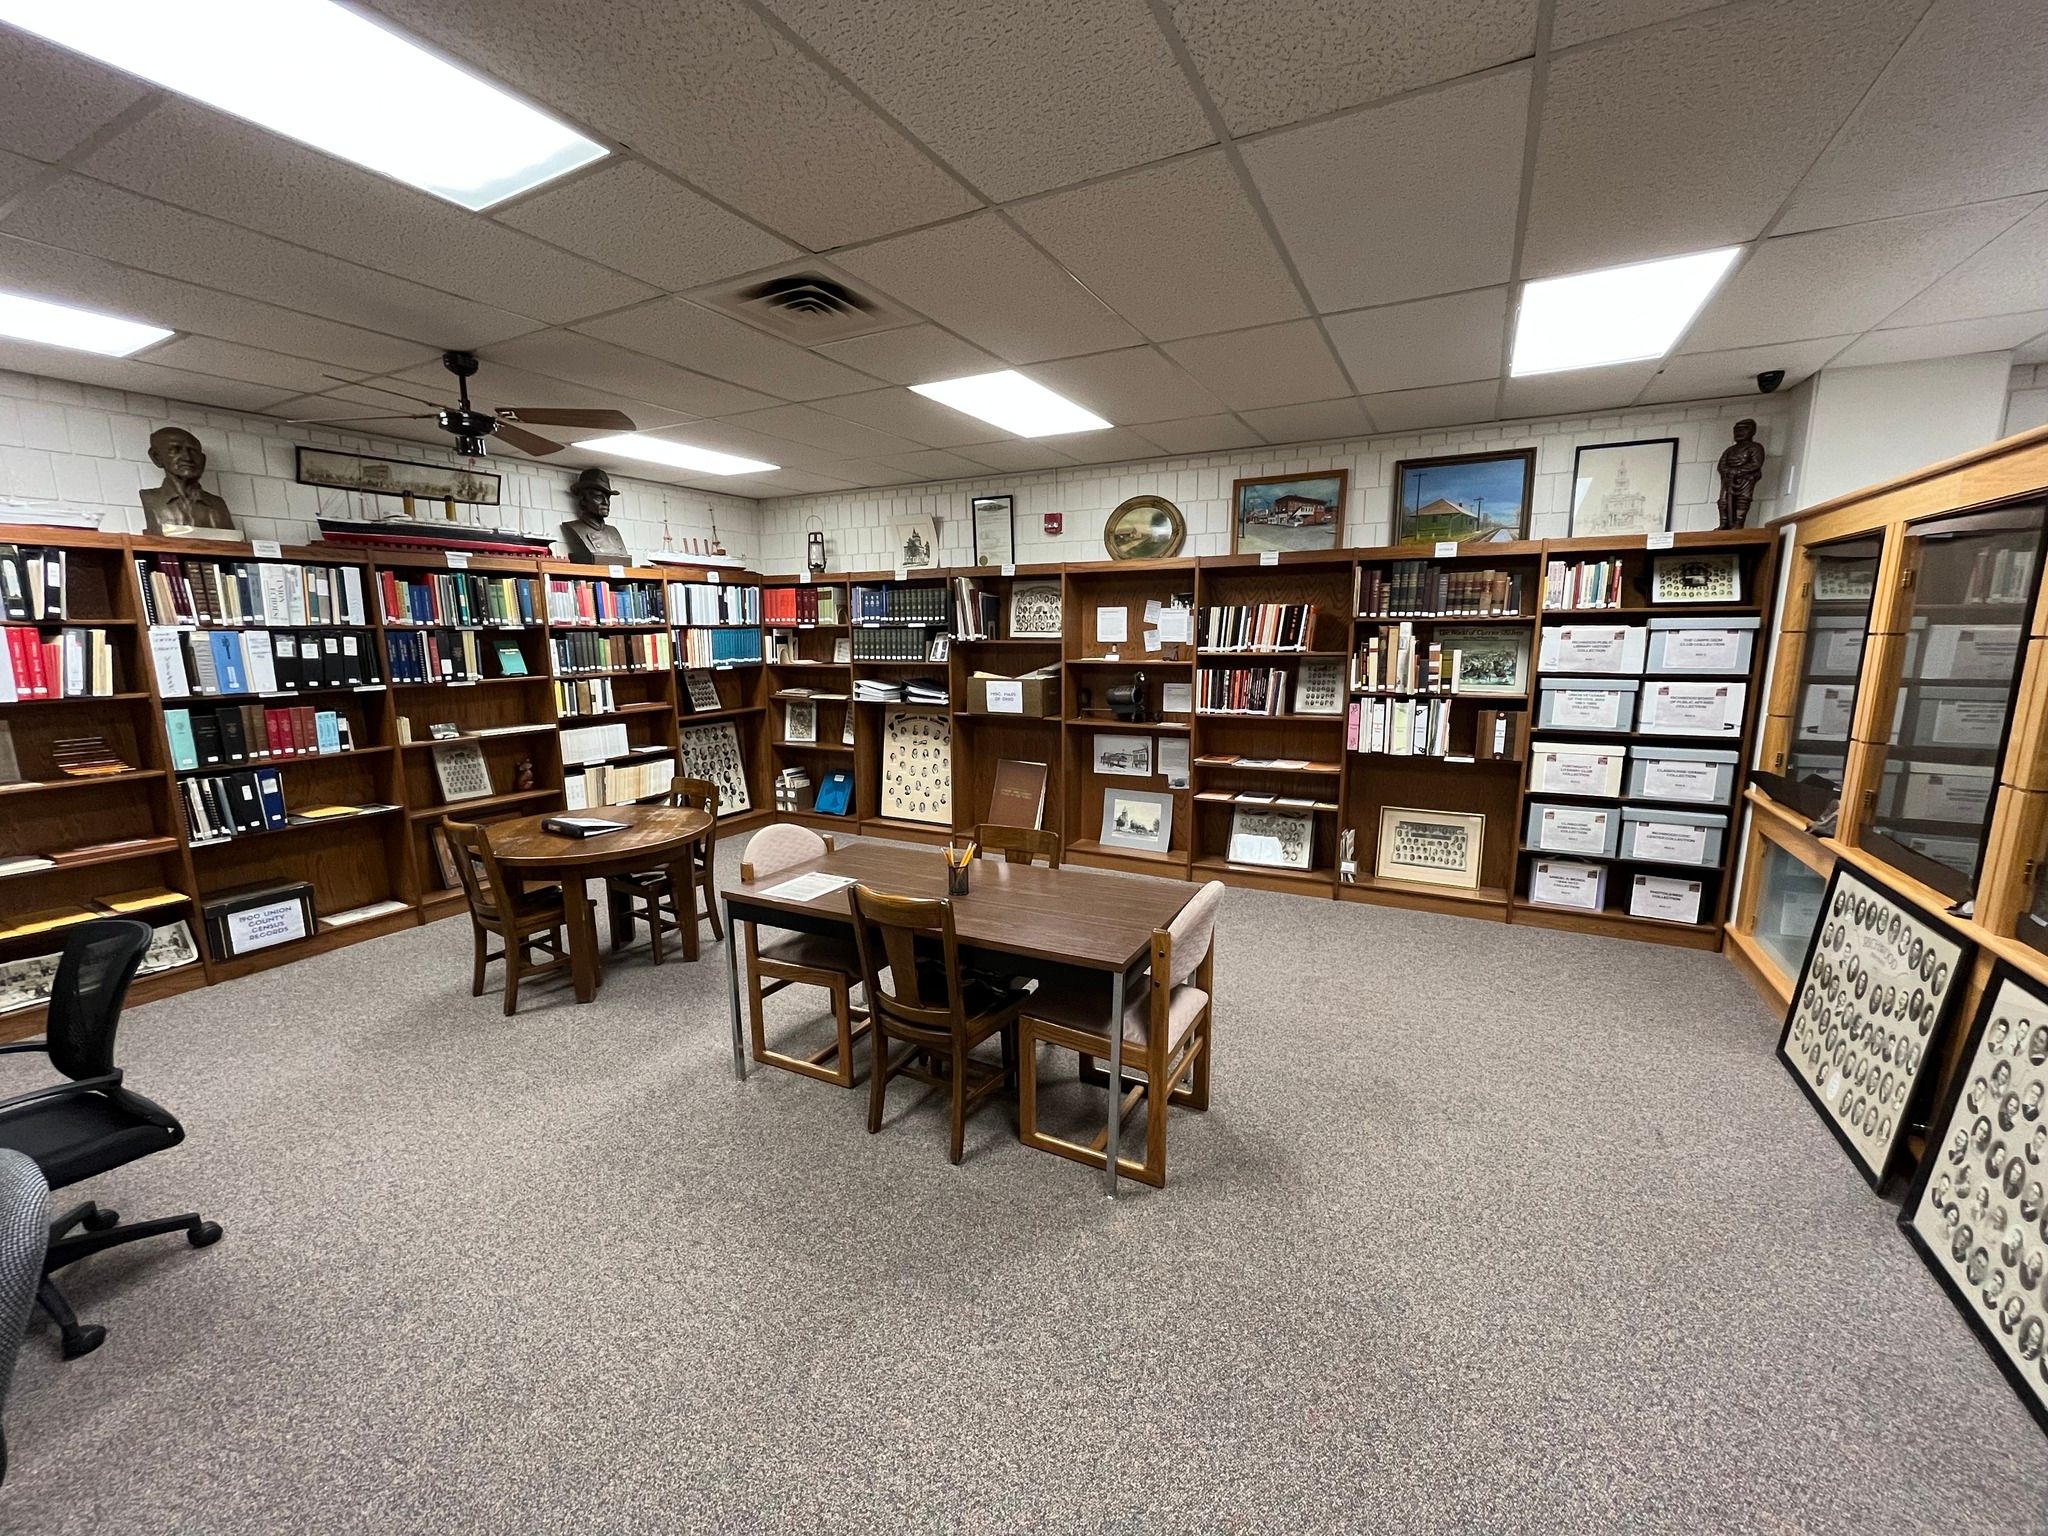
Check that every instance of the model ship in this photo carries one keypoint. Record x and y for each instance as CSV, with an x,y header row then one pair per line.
x,y
403,530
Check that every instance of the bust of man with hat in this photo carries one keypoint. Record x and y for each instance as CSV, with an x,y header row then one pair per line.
x,y
591,539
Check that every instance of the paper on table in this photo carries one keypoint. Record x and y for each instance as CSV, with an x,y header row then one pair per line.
x,y
808,887
1173,762
1112,624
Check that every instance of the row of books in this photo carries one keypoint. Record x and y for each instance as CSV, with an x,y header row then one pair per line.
x,y
583,696
451,656
1394,660
709,602
2001,574
1400,727
462,598
1241,691
223,805
890,643
228,733
717,647
1421,588
72,664
977,612
32,584
801,605
1257,627
1582,584
178,589
586,600
900,605
912,690
618,783
226,661
650,652
594,743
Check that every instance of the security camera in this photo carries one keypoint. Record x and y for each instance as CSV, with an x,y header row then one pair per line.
x,y
1768,381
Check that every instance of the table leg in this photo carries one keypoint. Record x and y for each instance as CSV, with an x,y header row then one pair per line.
x,y
682,879
1116,1075
732,971
582,938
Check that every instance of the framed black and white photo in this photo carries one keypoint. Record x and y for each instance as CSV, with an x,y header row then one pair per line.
x,y
1035,610
396,477
1863,1037
995,529
702,690
914,543
800,722
1136,818
1624,488
917,767
1486,658
713,752
1278,839
1124,757
1319,688
1430,847
1697,577
463,773
1976,1207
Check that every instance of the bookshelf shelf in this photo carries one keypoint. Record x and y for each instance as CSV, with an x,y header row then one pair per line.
x,y
75,698
1446,618
149,848
368,813
462,809
83,781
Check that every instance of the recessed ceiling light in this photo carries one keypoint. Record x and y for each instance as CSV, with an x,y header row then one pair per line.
x,y
1012,402
63,325
1616,315
329,77
659,450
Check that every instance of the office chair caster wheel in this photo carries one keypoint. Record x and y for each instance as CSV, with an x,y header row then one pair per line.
x,y
205,1235
101,1219
83,1341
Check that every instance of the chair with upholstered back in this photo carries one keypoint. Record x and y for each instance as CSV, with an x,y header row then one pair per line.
x,y
646,894
24,1240
779,959
1019,845
531,920
918,995
1167,1039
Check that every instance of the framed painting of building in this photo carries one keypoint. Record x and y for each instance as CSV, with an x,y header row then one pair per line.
x,y
1288,512
1469,498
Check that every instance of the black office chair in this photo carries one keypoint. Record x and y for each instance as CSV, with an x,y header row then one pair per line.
x,y
83,1128
24,1239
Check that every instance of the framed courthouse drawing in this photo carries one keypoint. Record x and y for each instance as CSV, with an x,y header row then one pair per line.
x,y
1137,818
1864,1034
1976,1207
1624,488
1430,847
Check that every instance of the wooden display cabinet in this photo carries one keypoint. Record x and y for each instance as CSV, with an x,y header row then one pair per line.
x,y
982,741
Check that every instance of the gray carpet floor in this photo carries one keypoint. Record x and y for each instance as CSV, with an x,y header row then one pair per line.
x,y
1489,1229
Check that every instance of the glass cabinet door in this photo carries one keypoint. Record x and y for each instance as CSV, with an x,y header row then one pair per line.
x,y
1844,577
1787,907
1973,582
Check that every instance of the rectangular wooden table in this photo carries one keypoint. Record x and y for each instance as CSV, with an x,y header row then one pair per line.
x,y
1040,922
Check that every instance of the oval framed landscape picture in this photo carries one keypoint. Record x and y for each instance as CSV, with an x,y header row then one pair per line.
x,y
1144,528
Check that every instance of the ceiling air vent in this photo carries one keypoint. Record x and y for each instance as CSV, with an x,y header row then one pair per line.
x,y
806,305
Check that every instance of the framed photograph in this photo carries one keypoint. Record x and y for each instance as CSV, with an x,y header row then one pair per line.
x,y
915,543
1706,577
800,722
1035,610
917,766
1622,488
1469,498
1975,1207
1319,688
1865,1035
1136,818
1277,839
702,690
713,752
842,651
444,859
1127,757
1292,512
1144,528
463,773
1430,847
995,529
1486,658
396,477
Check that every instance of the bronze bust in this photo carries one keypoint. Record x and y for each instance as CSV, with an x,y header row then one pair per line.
x,y
1740,467
591,539
180,507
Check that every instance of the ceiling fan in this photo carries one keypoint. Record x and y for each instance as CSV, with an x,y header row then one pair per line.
x,y
470,426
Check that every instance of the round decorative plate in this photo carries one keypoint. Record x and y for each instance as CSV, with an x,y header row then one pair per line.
x,y
1144,528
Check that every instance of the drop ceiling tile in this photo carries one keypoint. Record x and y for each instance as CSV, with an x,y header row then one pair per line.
x,y
712,92
1104,447
1708,375
1285,60
857,472
1835,282
1198,434
934,464
1105,92
1954,338
1450,340
1127,387
52,100
980,278
1577,392
2035,351
1320,421
1017,455
1583,21
102,220
250,365
2008,274
793,482
1442,405
174,385
1958,117
1655,143
725,437
702,339
631,217
833,434
1272,365
911,354
16,172
1344,193
1176,249
904,415
580,359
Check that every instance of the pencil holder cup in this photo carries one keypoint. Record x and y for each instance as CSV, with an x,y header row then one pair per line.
x,y
959,864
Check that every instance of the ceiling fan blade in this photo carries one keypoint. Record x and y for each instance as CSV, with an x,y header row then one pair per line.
x,y
384,389
314,421
527,442
548,416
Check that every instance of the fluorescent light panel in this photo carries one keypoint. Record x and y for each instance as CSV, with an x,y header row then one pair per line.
x,y
63,325
1616,315
321,74
659,450
1012,402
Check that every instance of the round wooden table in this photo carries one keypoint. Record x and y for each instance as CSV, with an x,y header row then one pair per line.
x,y
655,835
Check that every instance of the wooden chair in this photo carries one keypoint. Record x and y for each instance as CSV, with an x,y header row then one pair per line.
x,y
530,920
910,965
800,959
1168,1027
645,894
1019,845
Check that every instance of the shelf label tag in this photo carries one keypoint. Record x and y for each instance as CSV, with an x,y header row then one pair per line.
x,y
903,573
1445,549
1659,540
1009,570
804,580
1269,557
712,577
458,560
616,572
266,549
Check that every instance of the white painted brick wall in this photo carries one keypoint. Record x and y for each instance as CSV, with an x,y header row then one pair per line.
x,y
2026,398
77,446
